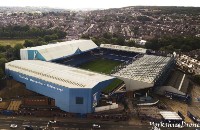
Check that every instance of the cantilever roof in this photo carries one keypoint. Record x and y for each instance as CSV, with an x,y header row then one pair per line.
x,y
145,69
63,49
59,74
123,48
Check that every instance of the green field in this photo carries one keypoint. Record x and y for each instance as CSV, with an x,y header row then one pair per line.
x,y
103,66
100,65
13,42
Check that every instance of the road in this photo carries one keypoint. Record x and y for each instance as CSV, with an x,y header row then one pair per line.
x,y
67,125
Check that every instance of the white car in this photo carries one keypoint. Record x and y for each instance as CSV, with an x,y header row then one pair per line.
x,y
13,126
52,121
96,126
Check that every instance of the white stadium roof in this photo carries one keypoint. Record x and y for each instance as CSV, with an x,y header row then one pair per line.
x,y
123,48
63,49
144,69
143,72
59,74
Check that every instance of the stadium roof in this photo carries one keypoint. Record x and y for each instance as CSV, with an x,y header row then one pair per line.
x,y
59,74
144,69
143,72
123,48
63,49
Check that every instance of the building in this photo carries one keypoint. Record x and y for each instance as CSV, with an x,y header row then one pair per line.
x,y
71,88
188,64
172,117
142,42
144,72
57,51
76,90
124,48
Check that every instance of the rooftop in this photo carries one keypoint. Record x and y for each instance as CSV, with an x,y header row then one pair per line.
x,y
145,69
124,48
168,115
59,74
63,49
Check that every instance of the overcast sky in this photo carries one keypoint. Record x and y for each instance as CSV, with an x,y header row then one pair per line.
x,y
78,4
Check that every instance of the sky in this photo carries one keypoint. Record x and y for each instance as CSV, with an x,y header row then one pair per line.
x,y
97,4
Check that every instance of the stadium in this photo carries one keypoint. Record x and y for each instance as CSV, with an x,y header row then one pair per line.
x,y
75,73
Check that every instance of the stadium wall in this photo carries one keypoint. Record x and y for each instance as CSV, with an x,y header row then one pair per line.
x,y
35,55
133,85
74,100
31,55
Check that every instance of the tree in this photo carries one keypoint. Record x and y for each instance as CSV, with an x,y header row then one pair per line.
x,y
17,48
39,43
136,31
9,54
61,34
113,40
174,43
130,43
28,43
107,35
2,48
1,73
54,37
143,18
27,32
169,48
85,36
2,63
47,38
120,40
40,39
185,48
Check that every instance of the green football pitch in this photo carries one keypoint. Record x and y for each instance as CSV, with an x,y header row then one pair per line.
x,y
100,65
103,66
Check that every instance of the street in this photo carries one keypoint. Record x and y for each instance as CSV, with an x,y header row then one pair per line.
x,y
37,123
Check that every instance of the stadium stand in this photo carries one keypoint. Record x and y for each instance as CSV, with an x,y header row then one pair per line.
x,y
76,60
178,81
117,54
57,73
70,87
124,48
144,72
4,105
14,105
56,51
74,88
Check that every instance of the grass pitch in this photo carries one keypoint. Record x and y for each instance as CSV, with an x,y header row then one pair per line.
x,y
11,42
103,66
100,65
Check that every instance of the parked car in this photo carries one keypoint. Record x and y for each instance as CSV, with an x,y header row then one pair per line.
x,y
96,126
52,122
13,126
